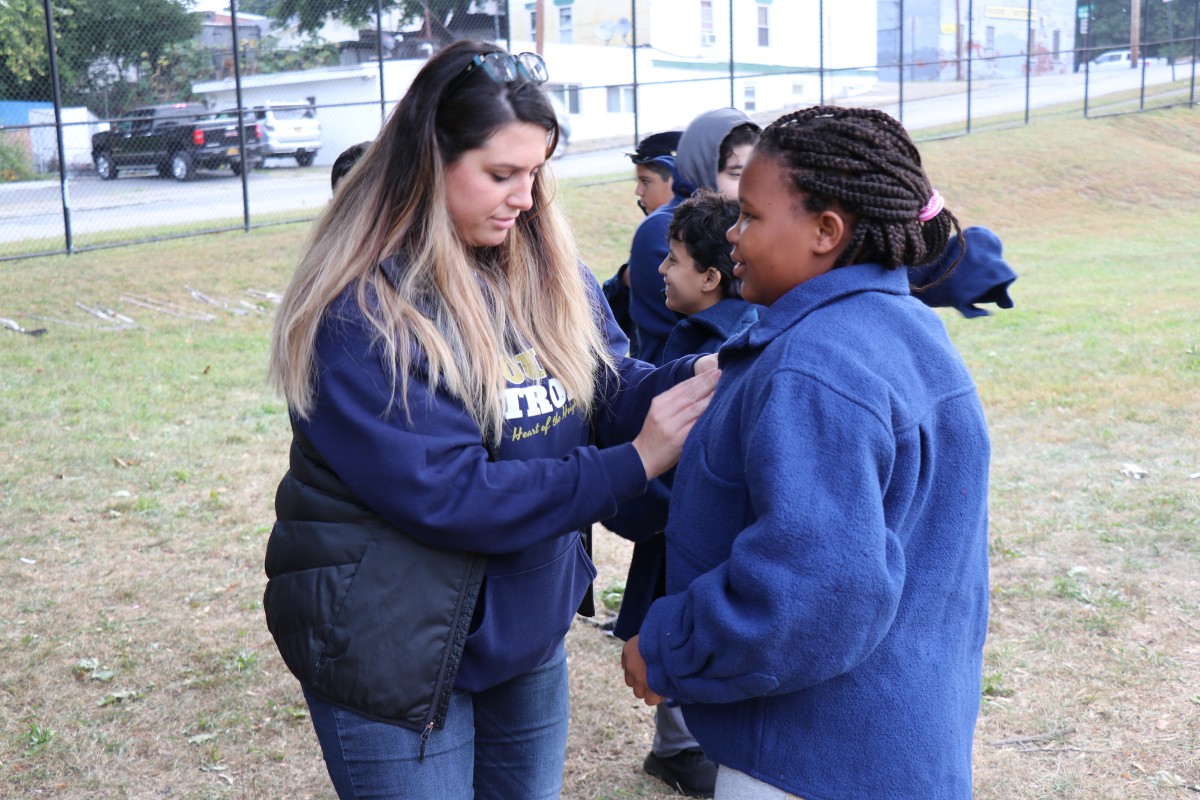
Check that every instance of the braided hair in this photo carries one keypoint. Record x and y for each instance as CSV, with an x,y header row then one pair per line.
x,y
863,160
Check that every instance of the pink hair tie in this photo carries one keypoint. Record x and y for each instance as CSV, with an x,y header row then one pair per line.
x,y
932,208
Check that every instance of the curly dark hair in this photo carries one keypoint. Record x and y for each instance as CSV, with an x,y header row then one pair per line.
x,y
700,222
864,161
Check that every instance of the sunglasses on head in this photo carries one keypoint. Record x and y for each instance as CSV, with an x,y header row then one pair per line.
x,y
504,68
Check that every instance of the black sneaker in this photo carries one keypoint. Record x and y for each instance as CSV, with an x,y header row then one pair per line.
x,y
688,772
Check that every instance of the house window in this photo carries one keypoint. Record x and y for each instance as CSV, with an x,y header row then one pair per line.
x,y
764,26
566,25
708,35
750,101
568,95
620,99
1057,42
989,39
532,24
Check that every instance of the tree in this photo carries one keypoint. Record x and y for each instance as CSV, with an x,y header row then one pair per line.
x,y
310,15
1110,26
99,42
24,64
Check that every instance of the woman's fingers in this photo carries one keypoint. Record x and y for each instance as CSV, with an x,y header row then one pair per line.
x,y
671,417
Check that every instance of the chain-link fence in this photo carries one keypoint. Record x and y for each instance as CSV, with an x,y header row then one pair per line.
x,y
125,121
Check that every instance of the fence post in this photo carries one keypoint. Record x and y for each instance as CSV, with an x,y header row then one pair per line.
x,y
900,61
1028,54
237,87
58,128
732,104
633,24
1140,49
1087,63
1195,36
821,48
379,60
970,59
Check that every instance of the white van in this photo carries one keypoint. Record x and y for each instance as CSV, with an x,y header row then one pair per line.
x,y
289,130
1123,59
1113,59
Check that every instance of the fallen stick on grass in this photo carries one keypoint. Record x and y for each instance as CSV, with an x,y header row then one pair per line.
x,y
105,314
1041,737
13,325
272,296
203,298
164,307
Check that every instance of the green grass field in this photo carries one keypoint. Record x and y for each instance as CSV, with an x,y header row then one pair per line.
x,y
138,463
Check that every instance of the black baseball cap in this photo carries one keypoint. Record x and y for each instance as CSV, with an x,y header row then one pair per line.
x,y
656,145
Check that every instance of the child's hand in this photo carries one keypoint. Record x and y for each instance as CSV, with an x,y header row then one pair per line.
x,y
635,673
672,415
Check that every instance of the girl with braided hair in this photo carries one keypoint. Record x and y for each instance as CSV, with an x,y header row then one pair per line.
x,y
827,592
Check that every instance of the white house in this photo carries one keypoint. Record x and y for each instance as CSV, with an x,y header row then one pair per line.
x,y
79,125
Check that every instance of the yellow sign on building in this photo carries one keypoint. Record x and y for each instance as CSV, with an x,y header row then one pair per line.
x,y
1023,13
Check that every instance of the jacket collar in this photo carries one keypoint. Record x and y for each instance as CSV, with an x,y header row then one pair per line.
x,y
814,293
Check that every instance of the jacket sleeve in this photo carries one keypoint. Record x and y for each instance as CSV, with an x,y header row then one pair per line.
x,y
647,306
626,396
427,471
811,585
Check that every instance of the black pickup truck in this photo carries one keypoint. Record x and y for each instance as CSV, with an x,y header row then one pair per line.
x,y
174,139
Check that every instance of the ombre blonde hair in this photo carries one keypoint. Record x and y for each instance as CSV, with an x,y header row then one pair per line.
x,y
462,310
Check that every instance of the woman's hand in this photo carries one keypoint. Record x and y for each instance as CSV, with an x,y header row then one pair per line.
x,y
635,673
672,415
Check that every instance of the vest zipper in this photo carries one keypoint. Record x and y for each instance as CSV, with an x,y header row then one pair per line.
x,y
424,741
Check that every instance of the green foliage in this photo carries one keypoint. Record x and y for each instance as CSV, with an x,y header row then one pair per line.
x,y
1161,22
310,15
310,54
15,163
37,738
22,42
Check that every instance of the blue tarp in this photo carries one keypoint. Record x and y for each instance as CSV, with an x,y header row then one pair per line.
x,y
16,112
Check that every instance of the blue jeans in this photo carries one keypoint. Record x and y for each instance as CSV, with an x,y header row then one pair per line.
x,y
507,742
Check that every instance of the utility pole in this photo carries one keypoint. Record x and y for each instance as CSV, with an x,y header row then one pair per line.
x,y
539,35
1135,32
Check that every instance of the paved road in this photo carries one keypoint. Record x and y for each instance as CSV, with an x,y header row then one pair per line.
x,y
33,210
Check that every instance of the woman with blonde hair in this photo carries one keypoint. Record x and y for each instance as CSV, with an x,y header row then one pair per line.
x,y
448,364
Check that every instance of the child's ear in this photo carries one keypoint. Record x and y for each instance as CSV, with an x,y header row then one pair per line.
x,y
712,280
831,231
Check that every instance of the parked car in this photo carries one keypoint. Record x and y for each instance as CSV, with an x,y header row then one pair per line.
x,y
1122,59
289,130
175,139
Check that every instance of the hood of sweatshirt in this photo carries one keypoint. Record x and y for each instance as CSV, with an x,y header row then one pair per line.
x,y
700,149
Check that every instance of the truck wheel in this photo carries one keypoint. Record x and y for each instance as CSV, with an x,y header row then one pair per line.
x,y
105,167
304,159
236,166
182,168
164,170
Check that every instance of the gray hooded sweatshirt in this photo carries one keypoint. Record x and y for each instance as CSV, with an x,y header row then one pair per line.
x,y
700,148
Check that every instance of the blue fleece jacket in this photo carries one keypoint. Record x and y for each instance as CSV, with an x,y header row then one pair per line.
x,y
431,476
827,551
642,519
